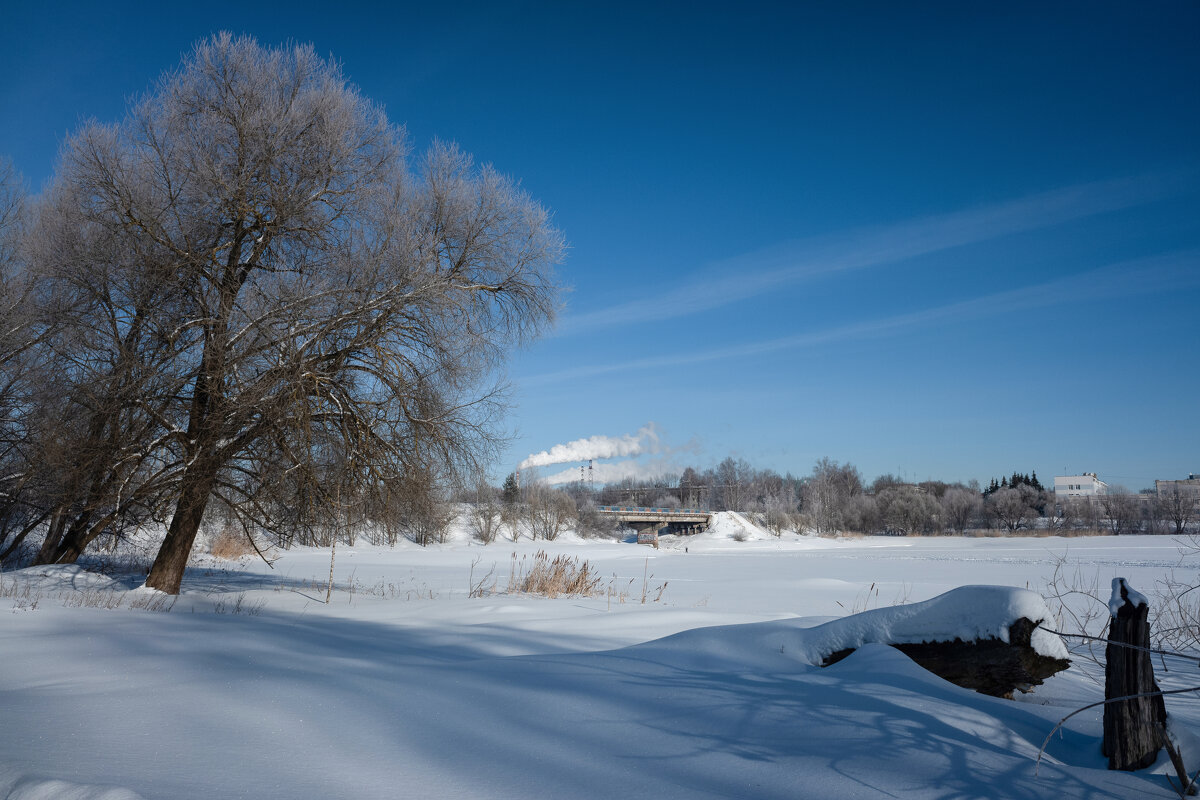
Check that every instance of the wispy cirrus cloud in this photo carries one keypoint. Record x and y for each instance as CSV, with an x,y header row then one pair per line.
x,y
756,273
1179,269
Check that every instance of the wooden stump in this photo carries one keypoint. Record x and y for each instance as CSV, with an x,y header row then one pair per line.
x,y
1132,728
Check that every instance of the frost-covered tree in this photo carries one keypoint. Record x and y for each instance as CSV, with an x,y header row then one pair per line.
x,y
827,493
18,333
907,510
273,295
1014,508
960,508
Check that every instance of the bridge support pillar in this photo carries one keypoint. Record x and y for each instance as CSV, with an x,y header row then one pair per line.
x,y
647,532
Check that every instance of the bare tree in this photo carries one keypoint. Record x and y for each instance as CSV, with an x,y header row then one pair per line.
x,y
421,507
1060,514
1121,509
1178,505
907,510
1014,508
1154,515
591,523
730,482
18,475
826,495
550,511
960,508
862,514
289,287
1087,510
486,513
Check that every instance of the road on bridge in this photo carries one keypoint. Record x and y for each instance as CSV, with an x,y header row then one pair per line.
x,y
649,521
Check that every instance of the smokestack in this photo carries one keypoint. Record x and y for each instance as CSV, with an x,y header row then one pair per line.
x,y
644,441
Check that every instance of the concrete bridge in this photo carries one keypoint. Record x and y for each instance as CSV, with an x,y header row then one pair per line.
x,y
649,522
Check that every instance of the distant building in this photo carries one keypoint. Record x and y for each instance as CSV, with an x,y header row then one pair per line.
x,y
1085,485
1189,487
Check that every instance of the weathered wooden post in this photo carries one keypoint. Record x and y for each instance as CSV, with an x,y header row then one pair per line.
x,y
1133,728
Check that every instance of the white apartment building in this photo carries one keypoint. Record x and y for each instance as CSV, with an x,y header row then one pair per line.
x,y
1085,485
1189,487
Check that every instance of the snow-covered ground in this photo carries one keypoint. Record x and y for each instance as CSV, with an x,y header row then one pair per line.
x,y
405,686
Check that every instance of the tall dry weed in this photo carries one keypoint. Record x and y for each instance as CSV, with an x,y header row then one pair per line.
x,y
560,576
231,543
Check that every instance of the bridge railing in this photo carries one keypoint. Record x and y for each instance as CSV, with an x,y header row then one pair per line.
x,y
651,510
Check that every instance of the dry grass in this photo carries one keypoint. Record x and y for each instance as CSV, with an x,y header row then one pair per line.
x,y
239,604
27,598
485,585
23,595
560,577
93,598
153,601
1036,533
972,533
841,535
231,543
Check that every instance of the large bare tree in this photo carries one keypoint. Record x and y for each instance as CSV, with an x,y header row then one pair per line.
x,y
275,305
16,338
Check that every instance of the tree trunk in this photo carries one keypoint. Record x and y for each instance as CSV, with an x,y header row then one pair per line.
x,y
54,535
20,537
200,477
77,540
167,572
1131,727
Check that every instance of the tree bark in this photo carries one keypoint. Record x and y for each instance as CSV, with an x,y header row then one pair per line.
x,y
71,546
1131,727
54,535
167,572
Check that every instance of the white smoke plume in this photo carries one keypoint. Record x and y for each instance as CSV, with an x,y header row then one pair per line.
x,y
630,444
614,472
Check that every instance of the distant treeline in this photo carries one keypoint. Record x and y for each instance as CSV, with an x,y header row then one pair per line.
x,y
835,498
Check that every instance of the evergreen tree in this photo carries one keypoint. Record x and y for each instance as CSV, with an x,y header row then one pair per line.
x,y
510,492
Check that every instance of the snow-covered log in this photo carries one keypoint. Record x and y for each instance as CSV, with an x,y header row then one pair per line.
x,y
986,638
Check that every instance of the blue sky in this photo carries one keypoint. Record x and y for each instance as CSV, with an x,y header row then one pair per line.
x,y
939,240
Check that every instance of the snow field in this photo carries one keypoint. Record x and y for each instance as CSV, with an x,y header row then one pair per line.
x,y
251,686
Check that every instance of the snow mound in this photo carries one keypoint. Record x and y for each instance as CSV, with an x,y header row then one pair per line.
x,y
967,613
730,525
14,786
61,577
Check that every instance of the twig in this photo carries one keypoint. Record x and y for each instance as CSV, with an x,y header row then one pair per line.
x,y
1127,645
1061,722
